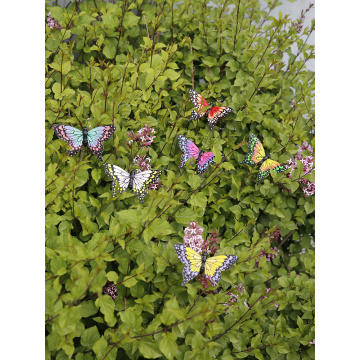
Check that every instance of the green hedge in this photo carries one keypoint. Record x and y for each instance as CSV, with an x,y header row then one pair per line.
x,y
132,63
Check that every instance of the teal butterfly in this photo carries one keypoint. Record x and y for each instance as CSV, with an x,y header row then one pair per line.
x,y
76,138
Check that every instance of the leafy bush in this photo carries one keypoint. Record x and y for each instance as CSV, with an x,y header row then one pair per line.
x,y
113,279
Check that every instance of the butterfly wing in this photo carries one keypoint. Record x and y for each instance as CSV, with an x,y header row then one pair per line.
x,y
216,264
199,102
268,165
96,136
72,136
216,113
189,149
191,259
205,160
117,174
257,152
142,180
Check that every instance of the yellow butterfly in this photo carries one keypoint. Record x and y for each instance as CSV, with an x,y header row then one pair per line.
x,y
197,264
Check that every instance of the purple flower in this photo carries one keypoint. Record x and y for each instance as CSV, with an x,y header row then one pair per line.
x,y
52,23
312,342
210,244
110,289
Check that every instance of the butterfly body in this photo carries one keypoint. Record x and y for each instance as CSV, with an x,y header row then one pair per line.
x,y
213,113
76,138
131,181
137,182
85,132
190,150
203,260
256,155
196,264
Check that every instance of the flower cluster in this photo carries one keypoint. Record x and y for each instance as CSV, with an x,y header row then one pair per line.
x,y
110,289
210,244
308,163
193,237
143,138
142,162
234,297
274,236
52,23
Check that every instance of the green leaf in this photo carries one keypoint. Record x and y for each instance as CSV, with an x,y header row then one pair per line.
x,y
150,349
107,307
168,345
171,74
109,51
309,207
89,337
100,347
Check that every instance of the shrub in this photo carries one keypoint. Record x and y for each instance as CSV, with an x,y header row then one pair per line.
x,y
113,279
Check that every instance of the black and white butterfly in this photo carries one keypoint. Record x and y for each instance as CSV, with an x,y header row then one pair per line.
x,y
138,182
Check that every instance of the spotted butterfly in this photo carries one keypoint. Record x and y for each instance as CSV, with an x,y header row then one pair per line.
x,y
138,182
190,150
76,138
196,264
213,113
257,156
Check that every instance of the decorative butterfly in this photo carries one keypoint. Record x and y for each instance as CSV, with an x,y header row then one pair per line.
x,y
257,156
138,182
190,150
213,113
196,264
76,138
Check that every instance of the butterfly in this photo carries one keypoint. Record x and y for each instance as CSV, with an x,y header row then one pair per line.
x,y
196,264
76,138
257,156
190,150
138,182
213,112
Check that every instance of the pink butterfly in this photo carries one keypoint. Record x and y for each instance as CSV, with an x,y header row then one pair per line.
x,y
190,150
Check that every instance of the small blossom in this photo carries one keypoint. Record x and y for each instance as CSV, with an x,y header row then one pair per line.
x,y
52,23
110,289
245,303
312,342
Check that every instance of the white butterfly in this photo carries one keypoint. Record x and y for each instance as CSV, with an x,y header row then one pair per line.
x,y
138,182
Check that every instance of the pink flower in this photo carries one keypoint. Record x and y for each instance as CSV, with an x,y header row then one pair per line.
x,y
52,23
193,237
312,342
143,138
142,162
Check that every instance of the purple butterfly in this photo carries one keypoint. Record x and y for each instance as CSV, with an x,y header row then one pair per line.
x,y
75,138
190,150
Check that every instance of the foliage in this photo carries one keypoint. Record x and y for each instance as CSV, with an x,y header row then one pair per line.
x,y
131,63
